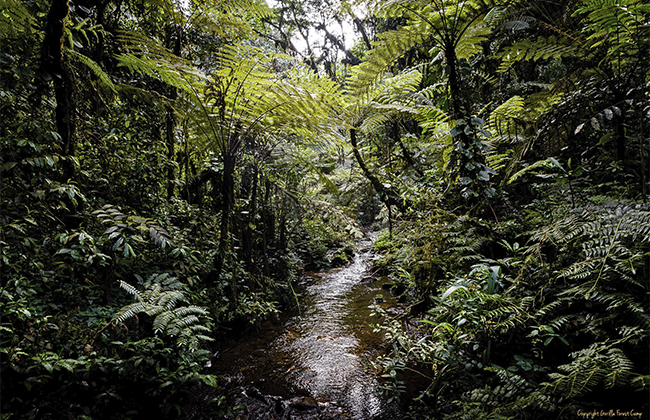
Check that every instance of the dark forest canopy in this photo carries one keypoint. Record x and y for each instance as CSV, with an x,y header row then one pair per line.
x,y
169,169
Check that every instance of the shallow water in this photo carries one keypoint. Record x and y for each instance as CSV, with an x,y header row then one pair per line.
x,y
322,351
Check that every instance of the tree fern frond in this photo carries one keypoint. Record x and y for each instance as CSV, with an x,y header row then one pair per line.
x,y
228,18
541,49
508,16
146,56
503,118
94,67
390,46
469,44
617,25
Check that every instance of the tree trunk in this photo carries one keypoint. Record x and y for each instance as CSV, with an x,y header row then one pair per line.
x,y
620,138
386,195
268,226
53,63
170,140
455,91
247,231
362,30
171,117
405,152
282,227
228,204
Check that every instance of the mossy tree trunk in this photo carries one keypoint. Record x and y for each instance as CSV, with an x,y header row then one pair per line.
x,y
53,62
174,35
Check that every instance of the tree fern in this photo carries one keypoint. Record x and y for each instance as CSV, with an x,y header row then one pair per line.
x,y
391,96
160,299
386,50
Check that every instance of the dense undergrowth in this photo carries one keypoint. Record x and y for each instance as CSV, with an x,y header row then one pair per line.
x,y
540,315
114,314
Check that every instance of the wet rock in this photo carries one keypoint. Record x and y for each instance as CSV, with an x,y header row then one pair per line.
x,y
277,405
398,289
255,393
303,403
367,279
341,256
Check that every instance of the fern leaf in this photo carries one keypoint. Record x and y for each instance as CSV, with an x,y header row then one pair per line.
x,y
94,67
541,49
130,289
15,18
390,46
160,300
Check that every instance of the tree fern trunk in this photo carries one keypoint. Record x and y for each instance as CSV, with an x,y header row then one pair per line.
x,y
247,231
455,91
620,138
228,203
268,226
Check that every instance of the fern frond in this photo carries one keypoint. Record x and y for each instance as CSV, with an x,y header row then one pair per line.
x,y
611,238
131,310
160,300
95,68
469,44
15,18
541,49
599,364
617,25
146,56
130,289
503,119
229,19
389,47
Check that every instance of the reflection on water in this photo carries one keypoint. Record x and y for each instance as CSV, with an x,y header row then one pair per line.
x,y
321,351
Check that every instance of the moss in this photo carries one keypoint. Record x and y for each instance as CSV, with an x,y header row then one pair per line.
x,y
341,257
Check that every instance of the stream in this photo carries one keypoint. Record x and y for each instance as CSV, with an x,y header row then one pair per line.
x,y
313,362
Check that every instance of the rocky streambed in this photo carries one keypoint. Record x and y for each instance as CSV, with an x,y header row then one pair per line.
x,y
313,363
